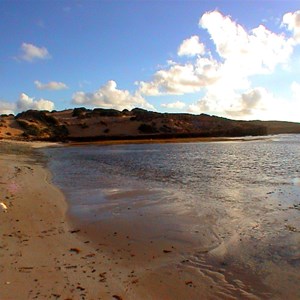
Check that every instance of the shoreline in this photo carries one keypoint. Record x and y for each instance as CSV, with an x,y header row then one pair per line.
x,y
168,141
41,254
107,142
45,253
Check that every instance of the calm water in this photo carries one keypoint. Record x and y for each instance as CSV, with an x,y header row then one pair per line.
x,y
203,173
243,198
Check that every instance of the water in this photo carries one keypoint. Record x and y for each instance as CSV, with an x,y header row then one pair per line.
x,y
234,202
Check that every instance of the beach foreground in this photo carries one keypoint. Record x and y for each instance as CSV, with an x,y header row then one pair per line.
x,y
44,257
46,253
41,255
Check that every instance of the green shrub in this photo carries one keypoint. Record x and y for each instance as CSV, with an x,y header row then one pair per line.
x,y
147,128
30,129
107,112
60,132
78,111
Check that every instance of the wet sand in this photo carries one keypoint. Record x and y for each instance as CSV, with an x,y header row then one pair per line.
x,y
161,255
46,254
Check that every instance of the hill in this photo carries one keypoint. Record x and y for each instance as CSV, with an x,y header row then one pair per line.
x,y
81,124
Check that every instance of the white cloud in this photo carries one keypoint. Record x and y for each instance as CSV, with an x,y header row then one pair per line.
x,y
295,88
52,85
7,107
226,78
255,103
233,104
255,52
292,21
251,103
180,79
171,62
31,52
260,103
174,105
25,102
191,47
243,54
108,96
217,98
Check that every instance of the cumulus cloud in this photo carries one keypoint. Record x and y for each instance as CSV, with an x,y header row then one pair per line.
x,y
292,22
253,102
225,74
259,103
25,102
244,54
224,78
255,52
7,107
191,47
179,79
108,96
250,103
174,105
52,85
32,53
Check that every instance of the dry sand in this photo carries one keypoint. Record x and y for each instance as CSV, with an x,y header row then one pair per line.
x,y
40,256
44,256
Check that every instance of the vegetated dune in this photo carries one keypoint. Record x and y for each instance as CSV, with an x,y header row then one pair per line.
x,y
81,124
278,127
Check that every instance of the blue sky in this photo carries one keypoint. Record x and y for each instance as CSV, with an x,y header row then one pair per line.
x,y
237,59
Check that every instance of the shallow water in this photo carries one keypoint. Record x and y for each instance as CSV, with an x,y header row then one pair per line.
x,y
230,204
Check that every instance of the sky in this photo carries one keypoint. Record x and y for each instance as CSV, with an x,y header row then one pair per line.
x,y
236,59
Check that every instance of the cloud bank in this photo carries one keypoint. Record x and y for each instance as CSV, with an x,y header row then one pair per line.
x,y
24,103
109,96
180,79
6,107
224,74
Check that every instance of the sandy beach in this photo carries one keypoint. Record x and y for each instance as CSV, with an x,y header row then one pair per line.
x,y
149,150
47,254
42,257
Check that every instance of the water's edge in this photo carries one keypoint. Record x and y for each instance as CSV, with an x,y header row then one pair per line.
x,y
118,214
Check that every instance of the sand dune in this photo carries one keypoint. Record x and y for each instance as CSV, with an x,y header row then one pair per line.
x,y
84,125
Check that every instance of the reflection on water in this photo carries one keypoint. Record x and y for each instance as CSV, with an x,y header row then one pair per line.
x,y
237,202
